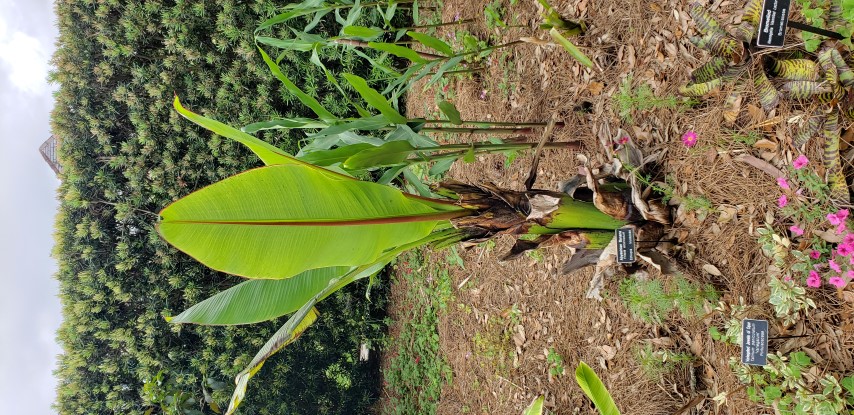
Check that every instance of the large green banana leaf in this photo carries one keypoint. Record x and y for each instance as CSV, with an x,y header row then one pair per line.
x,y
277,221
272,346
595,390
297,323
254,301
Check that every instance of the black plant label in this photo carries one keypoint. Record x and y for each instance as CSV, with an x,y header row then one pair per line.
x,y
754,342
625,245
773,23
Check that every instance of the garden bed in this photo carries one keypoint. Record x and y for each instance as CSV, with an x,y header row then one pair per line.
x,y
508,321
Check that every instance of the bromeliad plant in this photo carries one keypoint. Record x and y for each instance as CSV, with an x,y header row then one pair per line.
x,y
300,232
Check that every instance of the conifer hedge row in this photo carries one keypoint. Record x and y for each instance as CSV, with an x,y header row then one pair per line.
x,y
125,154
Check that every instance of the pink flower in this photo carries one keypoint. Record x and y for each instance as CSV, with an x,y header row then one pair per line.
x,y
848,239
841,229
814,280
623,140
842,214
800,162
689,139
797,231
844,250
783,183
815,254
834,219
787,278
850,274
834,266
838,282
782,201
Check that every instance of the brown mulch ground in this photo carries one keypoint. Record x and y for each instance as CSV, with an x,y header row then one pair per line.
x,y
650,41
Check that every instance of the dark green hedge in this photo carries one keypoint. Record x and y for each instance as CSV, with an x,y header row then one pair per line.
x,y
127,154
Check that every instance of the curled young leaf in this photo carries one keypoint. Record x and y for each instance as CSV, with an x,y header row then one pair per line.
x,y
809,129
846,76
768,95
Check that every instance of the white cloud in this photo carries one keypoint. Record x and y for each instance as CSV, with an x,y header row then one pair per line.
x,y
24,60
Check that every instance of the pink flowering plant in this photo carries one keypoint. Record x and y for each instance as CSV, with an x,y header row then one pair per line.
x,y
816,223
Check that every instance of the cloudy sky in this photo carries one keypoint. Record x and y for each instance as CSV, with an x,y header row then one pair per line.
x,y
29,307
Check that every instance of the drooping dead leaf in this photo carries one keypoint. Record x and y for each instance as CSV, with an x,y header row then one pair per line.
x,y
595,88
760,164
765,144
711,269
608,352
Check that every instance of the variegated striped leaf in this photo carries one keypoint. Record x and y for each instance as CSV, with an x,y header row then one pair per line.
x,y
832,95
745,32
698,90
796,69
710,70
720,44
753,11
825,61
705,22
809,129
835,15
846,76
768,95
830,158
804,89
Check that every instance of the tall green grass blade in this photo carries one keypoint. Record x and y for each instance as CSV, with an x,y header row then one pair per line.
x,y
304,98
595,390
372,123
431,42
405,132
416,182
571,48
284,123
374,98
337,155
388,154
451,112
391,174
267,152
448,65
399,51
363,33
294,10
298,45
315,59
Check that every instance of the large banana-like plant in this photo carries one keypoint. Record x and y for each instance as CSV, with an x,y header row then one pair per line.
x,y
300,232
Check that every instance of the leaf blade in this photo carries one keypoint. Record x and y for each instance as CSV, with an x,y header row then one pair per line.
x,y
595,390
